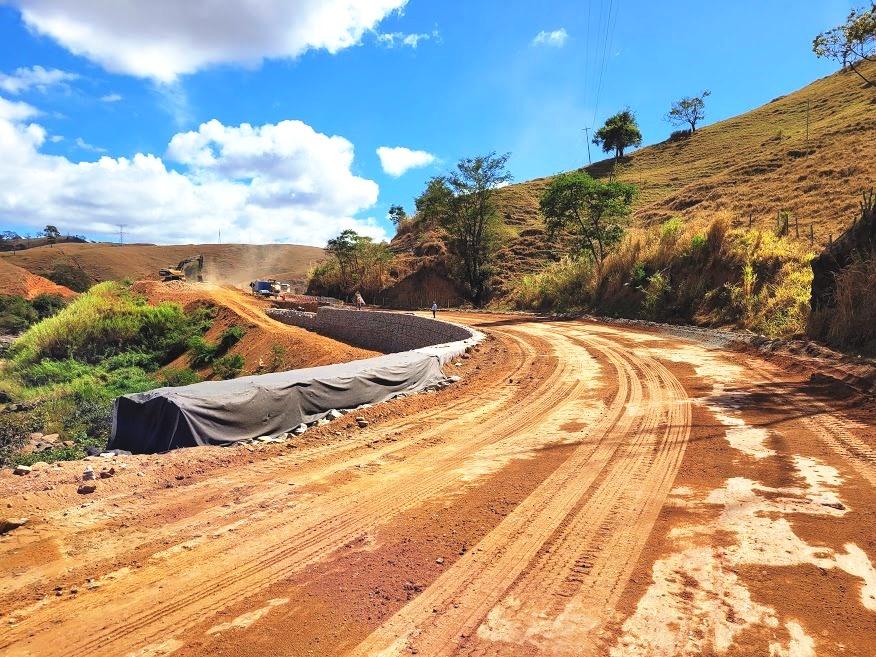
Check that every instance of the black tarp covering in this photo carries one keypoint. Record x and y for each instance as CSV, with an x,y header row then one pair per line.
x,y
223,412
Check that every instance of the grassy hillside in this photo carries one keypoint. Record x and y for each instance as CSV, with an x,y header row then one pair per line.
x,y
224,263
752,165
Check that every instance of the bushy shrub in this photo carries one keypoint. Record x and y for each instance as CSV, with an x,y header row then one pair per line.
x,y
228,366
47,305
230,337
16,314
201,352
177,376
679,135
70,277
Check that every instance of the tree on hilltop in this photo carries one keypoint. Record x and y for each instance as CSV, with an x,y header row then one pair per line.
x,y
689,110
589,208
852,42
619,132
397,214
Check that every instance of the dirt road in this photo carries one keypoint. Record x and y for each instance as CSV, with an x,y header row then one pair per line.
x,y
585,490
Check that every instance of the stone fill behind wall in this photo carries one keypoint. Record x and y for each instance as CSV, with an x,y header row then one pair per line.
x,y
373,329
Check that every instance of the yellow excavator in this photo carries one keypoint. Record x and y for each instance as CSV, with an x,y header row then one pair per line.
x,y
191,269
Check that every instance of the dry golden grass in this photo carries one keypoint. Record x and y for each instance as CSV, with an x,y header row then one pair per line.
x,y
754,164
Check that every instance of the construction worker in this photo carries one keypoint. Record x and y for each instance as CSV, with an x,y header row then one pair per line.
x,y
434,309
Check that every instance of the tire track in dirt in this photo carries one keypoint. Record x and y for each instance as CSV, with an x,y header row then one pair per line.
x,y
441,620
325,523
199,515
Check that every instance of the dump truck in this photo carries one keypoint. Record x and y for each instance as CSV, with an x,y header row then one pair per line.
x,y
191,268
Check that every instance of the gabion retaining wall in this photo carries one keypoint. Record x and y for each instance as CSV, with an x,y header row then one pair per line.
x,y
374,329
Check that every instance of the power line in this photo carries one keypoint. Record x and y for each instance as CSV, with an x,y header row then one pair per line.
x,y
609,39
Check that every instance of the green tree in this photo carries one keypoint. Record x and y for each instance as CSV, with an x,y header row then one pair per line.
x,y
852,42
434,202
470,217
589,208
619,132
689,110
359,263
397,214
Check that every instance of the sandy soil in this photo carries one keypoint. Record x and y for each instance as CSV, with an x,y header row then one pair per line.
x,y
584,490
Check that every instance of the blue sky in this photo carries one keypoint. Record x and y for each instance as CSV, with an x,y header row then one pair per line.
x,y
135,116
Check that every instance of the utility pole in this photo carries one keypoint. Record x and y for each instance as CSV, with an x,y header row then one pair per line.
x,y
122,232
220,236
587,139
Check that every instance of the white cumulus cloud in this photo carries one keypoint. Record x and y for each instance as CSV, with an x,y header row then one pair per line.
x,y
111,98
163,39
36,77
556,38
281,182
397,160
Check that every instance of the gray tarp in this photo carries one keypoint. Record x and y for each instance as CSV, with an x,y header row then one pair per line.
x,y
223,412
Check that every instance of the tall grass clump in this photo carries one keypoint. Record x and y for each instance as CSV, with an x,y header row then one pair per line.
x,y
108,320
682,272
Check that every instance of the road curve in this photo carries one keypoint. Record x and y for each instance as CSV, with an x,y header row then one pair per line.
x,y
586,489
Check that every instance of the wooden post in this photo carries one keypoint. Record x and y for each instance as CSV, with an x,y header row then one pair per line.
x,y
749,218
811,234
797,226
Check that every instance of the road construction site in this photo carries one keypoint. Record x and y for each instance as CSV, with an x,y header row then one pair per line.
x,y
584,488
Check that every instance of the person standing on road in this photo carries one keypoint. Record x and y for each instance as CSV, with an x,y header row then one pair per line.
x,y
434,309
360,302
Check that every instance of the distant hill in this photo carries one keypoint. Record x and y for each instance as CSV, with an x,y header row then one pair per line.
x,y
224,263
754,164
20,243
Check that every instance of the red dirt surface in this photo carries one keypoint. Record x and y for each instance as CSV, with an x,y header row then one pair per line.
x,y
584,490
20,282
268,345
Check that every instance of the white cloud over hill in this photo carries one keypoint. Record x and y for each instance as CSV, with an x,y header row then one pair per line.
x,y
398,160
281,182
163,39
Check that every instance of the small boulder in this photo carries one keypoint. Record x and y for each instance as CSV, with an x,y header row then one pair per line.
x,y
88,474
362,422
106,474
86,489
51,438
301,428
334,414
21,470
8,524
36,435
455,378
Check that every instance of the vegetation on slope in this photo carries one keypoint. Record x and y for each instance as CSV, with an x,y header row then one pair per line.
x,y
63,374
745,278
